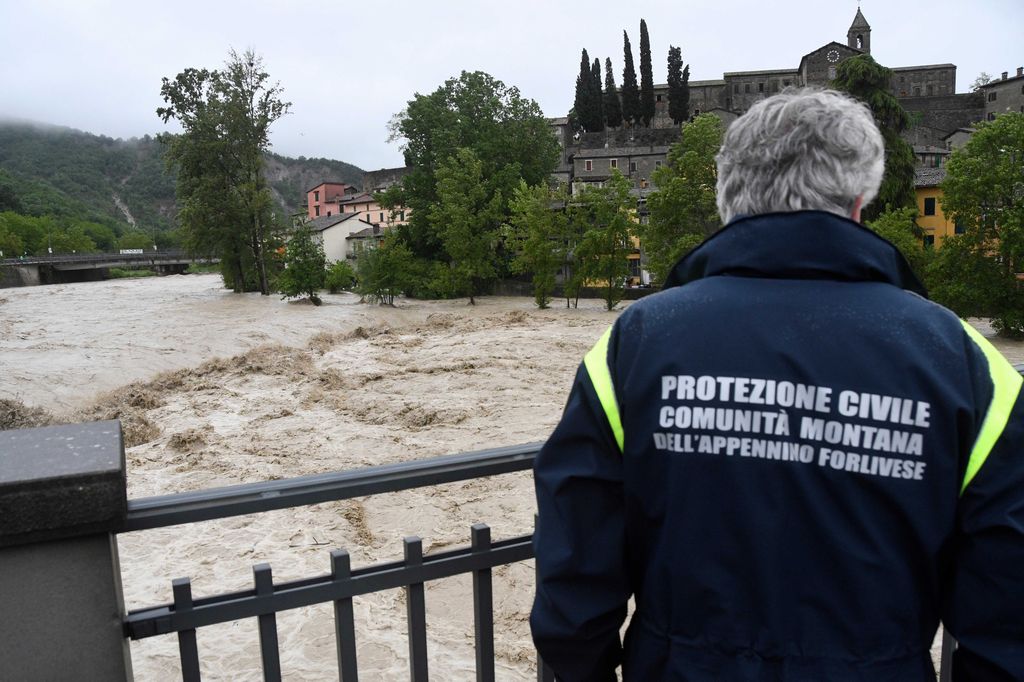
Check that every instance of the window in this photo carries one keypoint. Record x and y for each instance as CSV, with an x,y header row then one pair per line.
x,y
746,88
588,164
381,216
614,163
992,96
832,72
316,210
785,84
929,206
632,166
929,241
657,98
760,87
736,88
316,196
958,228
991,117
931,89
328,214
401,216
657,164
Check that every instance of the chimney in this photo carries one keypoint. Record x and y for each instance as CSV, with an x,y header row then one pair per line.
x,y
1005,73
1020,71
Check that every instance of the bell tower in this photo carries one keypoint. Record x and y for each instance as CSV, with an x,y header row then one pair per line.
x,y
859,35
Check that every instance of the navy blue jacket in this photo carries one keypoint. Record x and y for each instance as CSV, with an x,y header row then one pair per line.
x,y
796,465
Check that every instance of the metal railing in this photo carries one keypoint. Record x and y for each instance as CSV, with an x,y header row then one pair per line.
x,y
145,257
185,614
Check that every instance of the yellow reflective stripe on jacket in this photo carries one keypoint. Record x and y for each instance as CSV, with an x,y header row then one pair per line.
x,y
1006,383
596,362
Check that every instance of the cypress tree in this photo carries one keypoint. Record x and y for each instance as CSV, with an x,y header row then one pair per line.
x,y
678,86
582,103
612,107
630,92
646,77
597,105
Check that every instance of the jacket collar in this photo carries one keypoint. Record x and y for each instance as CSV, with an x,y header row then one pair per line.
x,y
798,245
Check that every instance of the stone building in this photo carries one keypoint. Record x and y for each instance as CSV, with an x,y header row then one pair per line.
x,y
1004,94
927,92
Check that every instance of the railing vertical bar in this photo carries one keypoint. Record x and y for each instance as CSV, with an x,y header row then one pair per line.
x,y
264,581
344,619
416,612
946,662
483,607
187,648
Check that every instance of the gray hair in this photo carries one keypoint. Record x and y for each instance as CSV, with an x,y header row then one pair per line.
x,y
799,150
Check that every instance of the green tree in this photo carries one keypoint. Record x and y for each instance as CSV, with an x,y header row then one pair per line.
x,y
630,92
899,226
583,104
646,77
340,277
612,106
608,215
468,217
104,237
538,236
304,259
598,100
225,203
678,86
984,192
507,132
135,239
72,240
11,244
385,272
682,209
868,81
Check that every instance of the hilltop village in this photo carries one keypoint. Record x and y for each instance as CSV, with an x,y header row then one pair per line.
x,y
348,219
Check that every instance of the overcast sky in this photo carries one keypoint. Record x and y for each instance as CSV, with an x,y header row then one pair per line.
x,y
348,67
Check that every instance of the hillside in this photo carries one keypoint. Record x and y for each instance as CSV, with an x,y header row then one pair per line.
x,y
67,173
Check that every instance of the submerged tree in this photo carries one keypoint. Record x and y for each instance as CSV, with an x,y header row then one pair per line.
x,y
868,81
538,236
304,272
468,216
224,201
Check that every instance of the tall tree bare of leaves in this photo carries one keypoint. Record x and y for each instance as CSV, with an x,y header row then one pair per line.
x,y
678,86
225,204
868,81
630,91
612,106
646,77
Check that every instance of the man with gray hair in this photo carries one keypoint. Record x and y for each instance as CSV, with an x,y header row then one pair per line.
x,y
792,461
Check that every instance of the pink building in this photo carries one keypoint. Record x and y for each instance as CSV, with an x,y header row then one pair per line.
x,y
326,198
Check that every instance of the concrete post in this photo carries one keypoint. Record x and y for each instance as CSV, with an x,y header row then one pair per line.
x,y
62,497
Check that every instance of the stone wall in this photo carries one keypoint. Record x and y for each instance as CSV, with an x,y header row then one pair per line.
x,y
924,81
939,116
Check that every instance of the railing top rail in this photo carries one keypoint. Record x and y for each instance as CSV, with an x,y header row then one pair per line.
x,y
145,256
217,503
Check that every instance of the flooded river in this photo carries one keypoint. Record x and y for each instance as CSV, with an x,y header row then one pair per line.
x,y
216,388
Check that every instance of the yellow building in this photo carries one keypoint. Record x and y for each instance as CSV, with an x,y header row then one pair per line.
x,y
929,206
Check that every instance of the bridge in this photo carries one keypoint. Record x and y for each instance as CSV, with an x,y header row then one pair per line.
x,y
84,267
